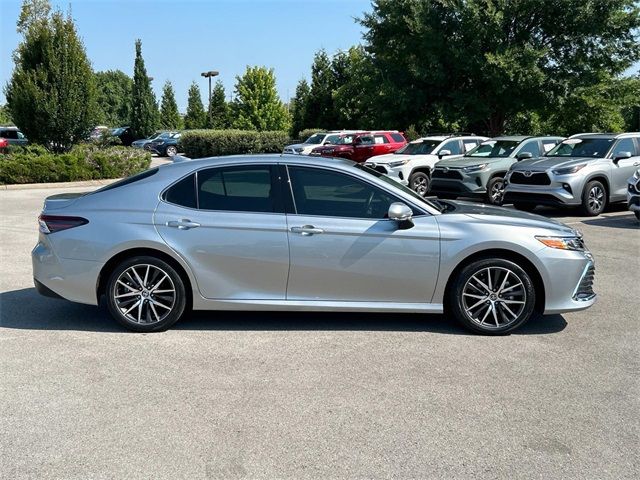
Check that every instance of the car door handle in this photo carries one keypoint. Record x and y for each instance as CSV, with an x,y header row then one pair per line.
x,y
306,230
184,224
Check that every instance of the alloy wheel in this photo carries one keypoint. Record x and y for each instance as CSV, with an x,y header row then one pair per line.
x,y
144,294
494,297
596,198
420,185
497,192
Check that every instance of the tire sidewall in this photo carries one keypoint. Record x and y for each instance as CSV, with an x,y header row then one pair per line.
x,y
171,149
585,198
490,185
416,175
455,295
180,303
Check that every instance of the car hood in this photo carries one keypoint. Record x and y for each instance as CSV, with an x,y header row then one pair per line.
x,y
508,216
393,157
299,145
469,161
543,163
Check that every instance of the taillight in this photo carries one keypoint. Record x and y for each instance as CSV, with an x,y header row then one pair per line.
x,y
56,223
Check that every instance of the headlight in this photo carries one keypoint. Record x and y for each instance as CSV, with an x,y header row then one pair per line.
x,y
636,175
474,168
298,150
398,163
563,243
569,170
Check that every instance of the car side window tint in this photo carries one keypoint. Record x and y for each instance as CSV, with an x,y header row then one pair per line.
x,y
365,140
469,144
453,146
332,194
183,192
239,189
625,145
380,139
531,147
397,137
11,134
547,145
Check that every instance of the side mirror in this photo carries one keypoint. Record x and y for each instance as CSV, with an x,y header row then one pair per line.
x,y
621,155
327,143
524,155
402,214
444,153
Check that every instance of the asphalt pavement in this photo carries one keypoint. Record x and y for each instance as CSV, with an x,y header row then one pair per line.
x,y
299,395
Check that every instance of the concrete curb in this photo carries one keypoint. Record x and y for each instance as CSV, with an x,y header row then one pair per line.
x,y
35,186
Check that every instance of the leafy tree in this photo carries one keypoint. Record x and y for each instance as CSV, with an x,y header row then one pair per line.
x,y
218,111
5,117
33,11
169,115
298,108
196,116
114,89
319,110
144,109
492,59
51,95
257,105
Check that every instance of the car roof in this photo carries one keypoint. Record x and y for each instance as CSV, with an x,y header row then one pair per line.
x,y
520,138
9,127
606,135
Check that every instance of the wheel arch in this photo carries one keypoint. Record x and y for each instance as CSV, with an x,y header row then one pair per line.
x,y
505,254
602,178
422,169
121,256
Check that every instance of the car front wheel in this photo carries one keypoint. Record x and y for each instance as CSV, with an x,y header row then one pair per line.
x,y
492,296
171,151
145,294
495,191
594,198
419,183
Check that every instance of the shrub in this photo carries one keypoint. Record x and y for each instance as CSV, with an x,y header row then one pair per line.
x,y
35,164
209,143
307,132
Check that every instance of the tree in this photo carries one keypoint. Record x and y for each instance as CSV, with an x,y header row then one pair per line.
x,y
257,105
319,111
33,11
5,117
144,109
169,115
218,111
114,89
491,59
196,116
298,108
52,95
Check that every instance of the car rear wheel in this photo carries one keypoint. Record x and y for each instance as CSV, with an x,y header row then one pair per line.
x,y
171,151
492,296
526,207
495,191
145,294
594,198
419,183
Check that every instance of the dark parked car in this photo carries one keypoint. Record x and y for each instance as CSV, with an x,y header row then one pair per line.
x,y
165,147
12,136
158,135
125,134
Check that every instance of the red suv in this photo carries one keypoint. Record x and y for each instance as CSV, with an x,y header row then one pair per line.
x,y
361,146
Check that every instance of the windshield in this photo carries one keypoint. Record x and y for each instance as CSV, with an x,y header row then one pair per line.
x,y
399,186
316,138
582,147
494,148
424,147
117,131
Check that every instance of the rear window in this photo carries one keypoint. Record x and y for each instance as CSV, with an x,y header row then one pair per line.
x,y
128,180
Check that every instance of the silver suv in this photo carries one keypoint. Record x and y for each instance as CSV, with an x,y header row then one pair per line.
x,y
588,170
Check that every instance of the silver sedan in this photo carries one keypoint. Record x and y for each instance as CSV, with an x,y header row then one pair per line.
x,y
302,233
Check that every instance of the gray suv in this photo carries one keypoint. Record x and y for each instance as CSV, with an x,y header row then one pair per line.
x,y
588,170
481,171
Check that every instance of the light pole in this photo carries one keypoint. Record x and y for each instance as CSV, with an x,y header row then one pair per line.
x,y
208,75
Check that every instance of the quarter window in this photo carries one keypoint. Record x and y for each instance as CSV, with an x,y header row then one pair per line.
x,y
244,189
325,193
183,193
397,138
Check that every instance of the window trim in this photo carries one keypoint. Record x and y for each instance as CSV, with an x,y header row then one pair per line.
x,y
634,141
417,211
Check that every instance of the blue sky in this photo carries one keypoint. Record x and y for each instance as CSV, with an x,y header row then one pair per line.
x,y
180,39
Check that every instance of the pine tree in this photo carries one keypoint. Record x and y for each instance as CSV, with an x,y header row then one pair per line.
x,y
257,105
218,112
114,97
196,116
51,95
320,110
298,108
144,109
169,115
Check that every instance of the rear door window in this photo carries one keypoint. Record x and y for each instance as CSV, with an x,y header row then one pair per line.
x,y
380,139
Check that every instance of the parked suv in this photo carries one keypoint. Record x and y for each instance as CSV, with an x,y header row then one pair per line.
x,y
165,146
364,145
412,164
320,138
587,170
481,172
12,136
633,194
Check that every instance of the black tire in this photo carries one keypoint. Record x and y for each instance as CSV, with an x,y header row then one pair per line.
x,y
594,198
155,311
495,191
171,151
525,207
420,183
490,316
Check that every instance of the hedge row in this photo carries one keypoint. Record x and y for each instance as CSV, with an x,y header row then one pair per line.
x,y
35,164
211,143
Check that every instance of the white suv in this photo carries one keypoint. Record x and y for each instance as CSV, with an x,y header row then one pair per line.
x,y
412,164
315,140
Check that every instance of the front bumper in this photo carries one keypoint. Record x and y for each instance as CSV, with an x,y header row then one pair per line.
x,y
400,175
633,200
457,182
561,190
568,278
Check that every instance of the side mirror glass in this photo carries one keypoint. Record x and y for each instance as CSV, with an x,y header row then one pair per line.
x,y
621,155
444,153
524,155
402,214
